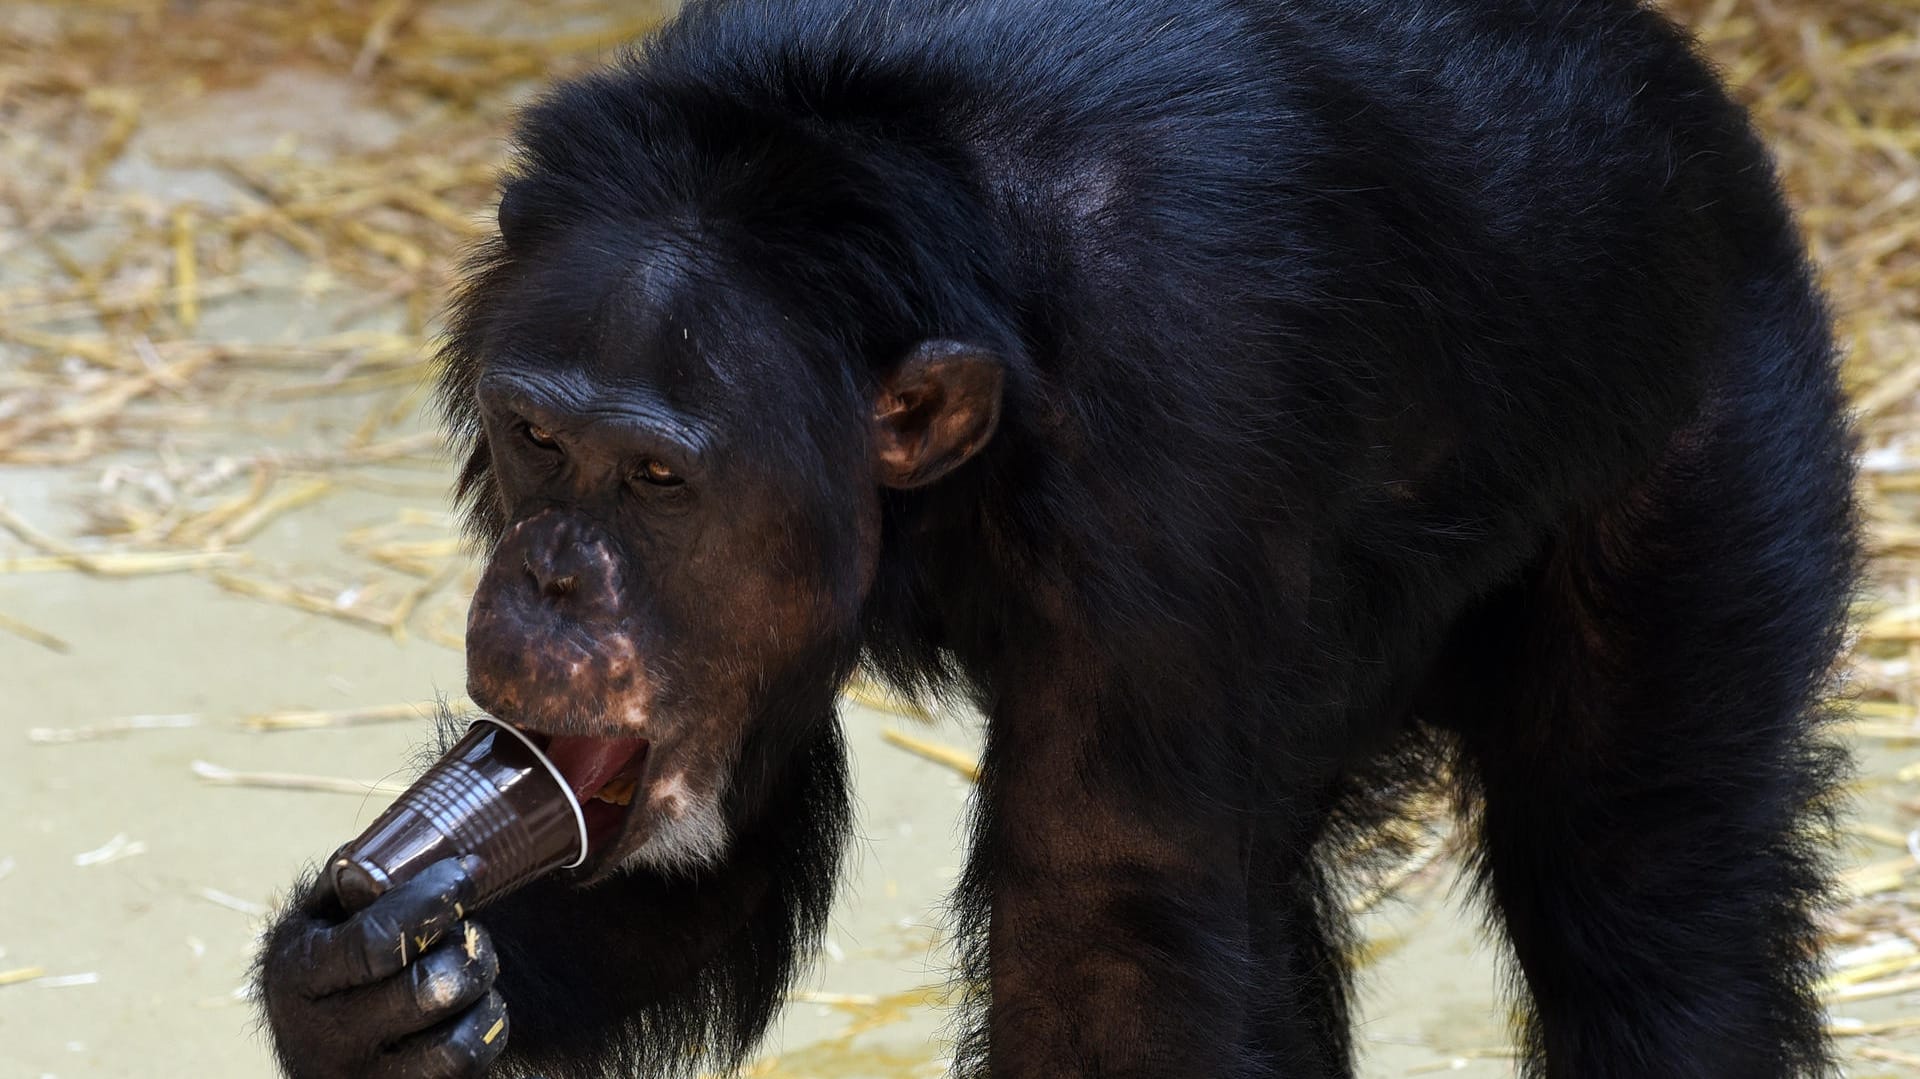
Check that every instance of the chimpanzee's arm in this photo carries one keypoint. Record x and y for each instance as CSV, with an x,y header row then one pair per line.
x,y
1124,924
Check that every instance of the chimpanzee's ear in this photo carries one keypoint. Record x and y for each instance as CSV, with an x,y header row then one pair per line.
x,y
935,409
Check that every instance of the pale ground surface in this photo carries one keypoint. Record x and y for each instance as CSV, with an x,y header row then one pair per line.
x,y
151,964
168,960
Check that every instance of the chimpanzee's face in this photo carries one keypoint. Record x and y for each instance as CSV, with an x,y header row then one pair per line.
x,y
690,498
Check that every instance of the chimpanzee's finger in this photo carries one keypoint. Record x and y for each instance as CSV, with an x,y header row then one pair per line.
x,y
460,1048
393,930
441,984
317,898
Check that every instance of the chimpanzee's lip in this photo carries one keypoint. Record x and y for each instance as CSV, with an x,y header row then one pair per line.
x,y
604,774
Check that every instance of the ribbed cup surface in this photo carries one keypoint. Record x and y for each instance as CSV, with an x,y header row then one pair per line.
x,y
493,795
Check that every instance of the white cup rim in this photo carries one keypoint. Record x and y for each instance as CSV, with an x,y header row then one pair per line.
x,y
573,803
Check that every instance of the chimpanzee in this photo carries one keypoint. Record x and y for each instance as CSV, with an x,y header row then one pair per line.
x,y
1252,407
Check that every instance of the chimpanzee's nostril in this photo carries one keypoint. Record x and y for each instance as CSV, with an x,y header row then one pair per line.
x,y
562,563
548,582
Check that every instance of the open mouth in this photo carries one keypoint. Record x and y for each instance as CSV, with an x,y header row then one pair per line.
x,y
604,774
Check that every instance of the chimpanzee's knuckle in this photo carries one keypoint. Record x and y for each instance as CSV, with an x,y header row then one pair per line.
x,y
438,894
490,1028
377,945
447,979
457,1048
476,944
461,1055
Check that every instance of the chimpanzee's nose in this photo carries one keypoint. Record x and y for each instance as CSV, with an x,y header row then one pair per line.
x,y
556,564
569,562
551,580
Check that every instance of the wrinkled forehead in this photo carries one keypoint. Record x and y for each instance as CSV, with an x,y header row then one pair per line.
x,y
643,313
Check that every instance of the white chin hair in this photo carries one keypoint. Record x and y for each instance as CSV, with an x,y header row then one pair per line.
x,y
695,837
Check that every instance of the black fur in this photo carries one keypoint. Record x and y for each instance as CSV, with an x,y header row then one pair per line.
x,y
642,975
1379,376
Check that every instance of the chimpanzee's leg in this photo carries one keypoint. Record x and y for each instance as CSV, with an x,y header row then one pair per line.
x,y
1641,718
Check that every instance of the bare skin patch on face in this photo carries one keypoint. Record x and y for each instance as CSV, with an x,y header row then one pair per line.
x,y
548,640
634,715
689,829
671,796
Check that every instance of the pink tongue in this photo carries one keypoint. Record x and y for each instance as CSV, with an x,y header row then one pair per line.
x,y
591,763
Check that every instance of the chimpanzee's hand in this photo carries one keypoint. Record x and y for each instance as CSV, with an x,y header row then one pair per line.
x,y
400,990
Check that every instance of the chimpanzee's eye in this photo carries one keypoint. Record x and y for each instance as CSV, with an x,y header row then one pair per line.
x,y
541,437
658,474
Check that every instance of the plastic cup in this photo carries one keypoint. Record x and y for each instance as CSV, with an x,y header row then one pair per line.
x,y
494,794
